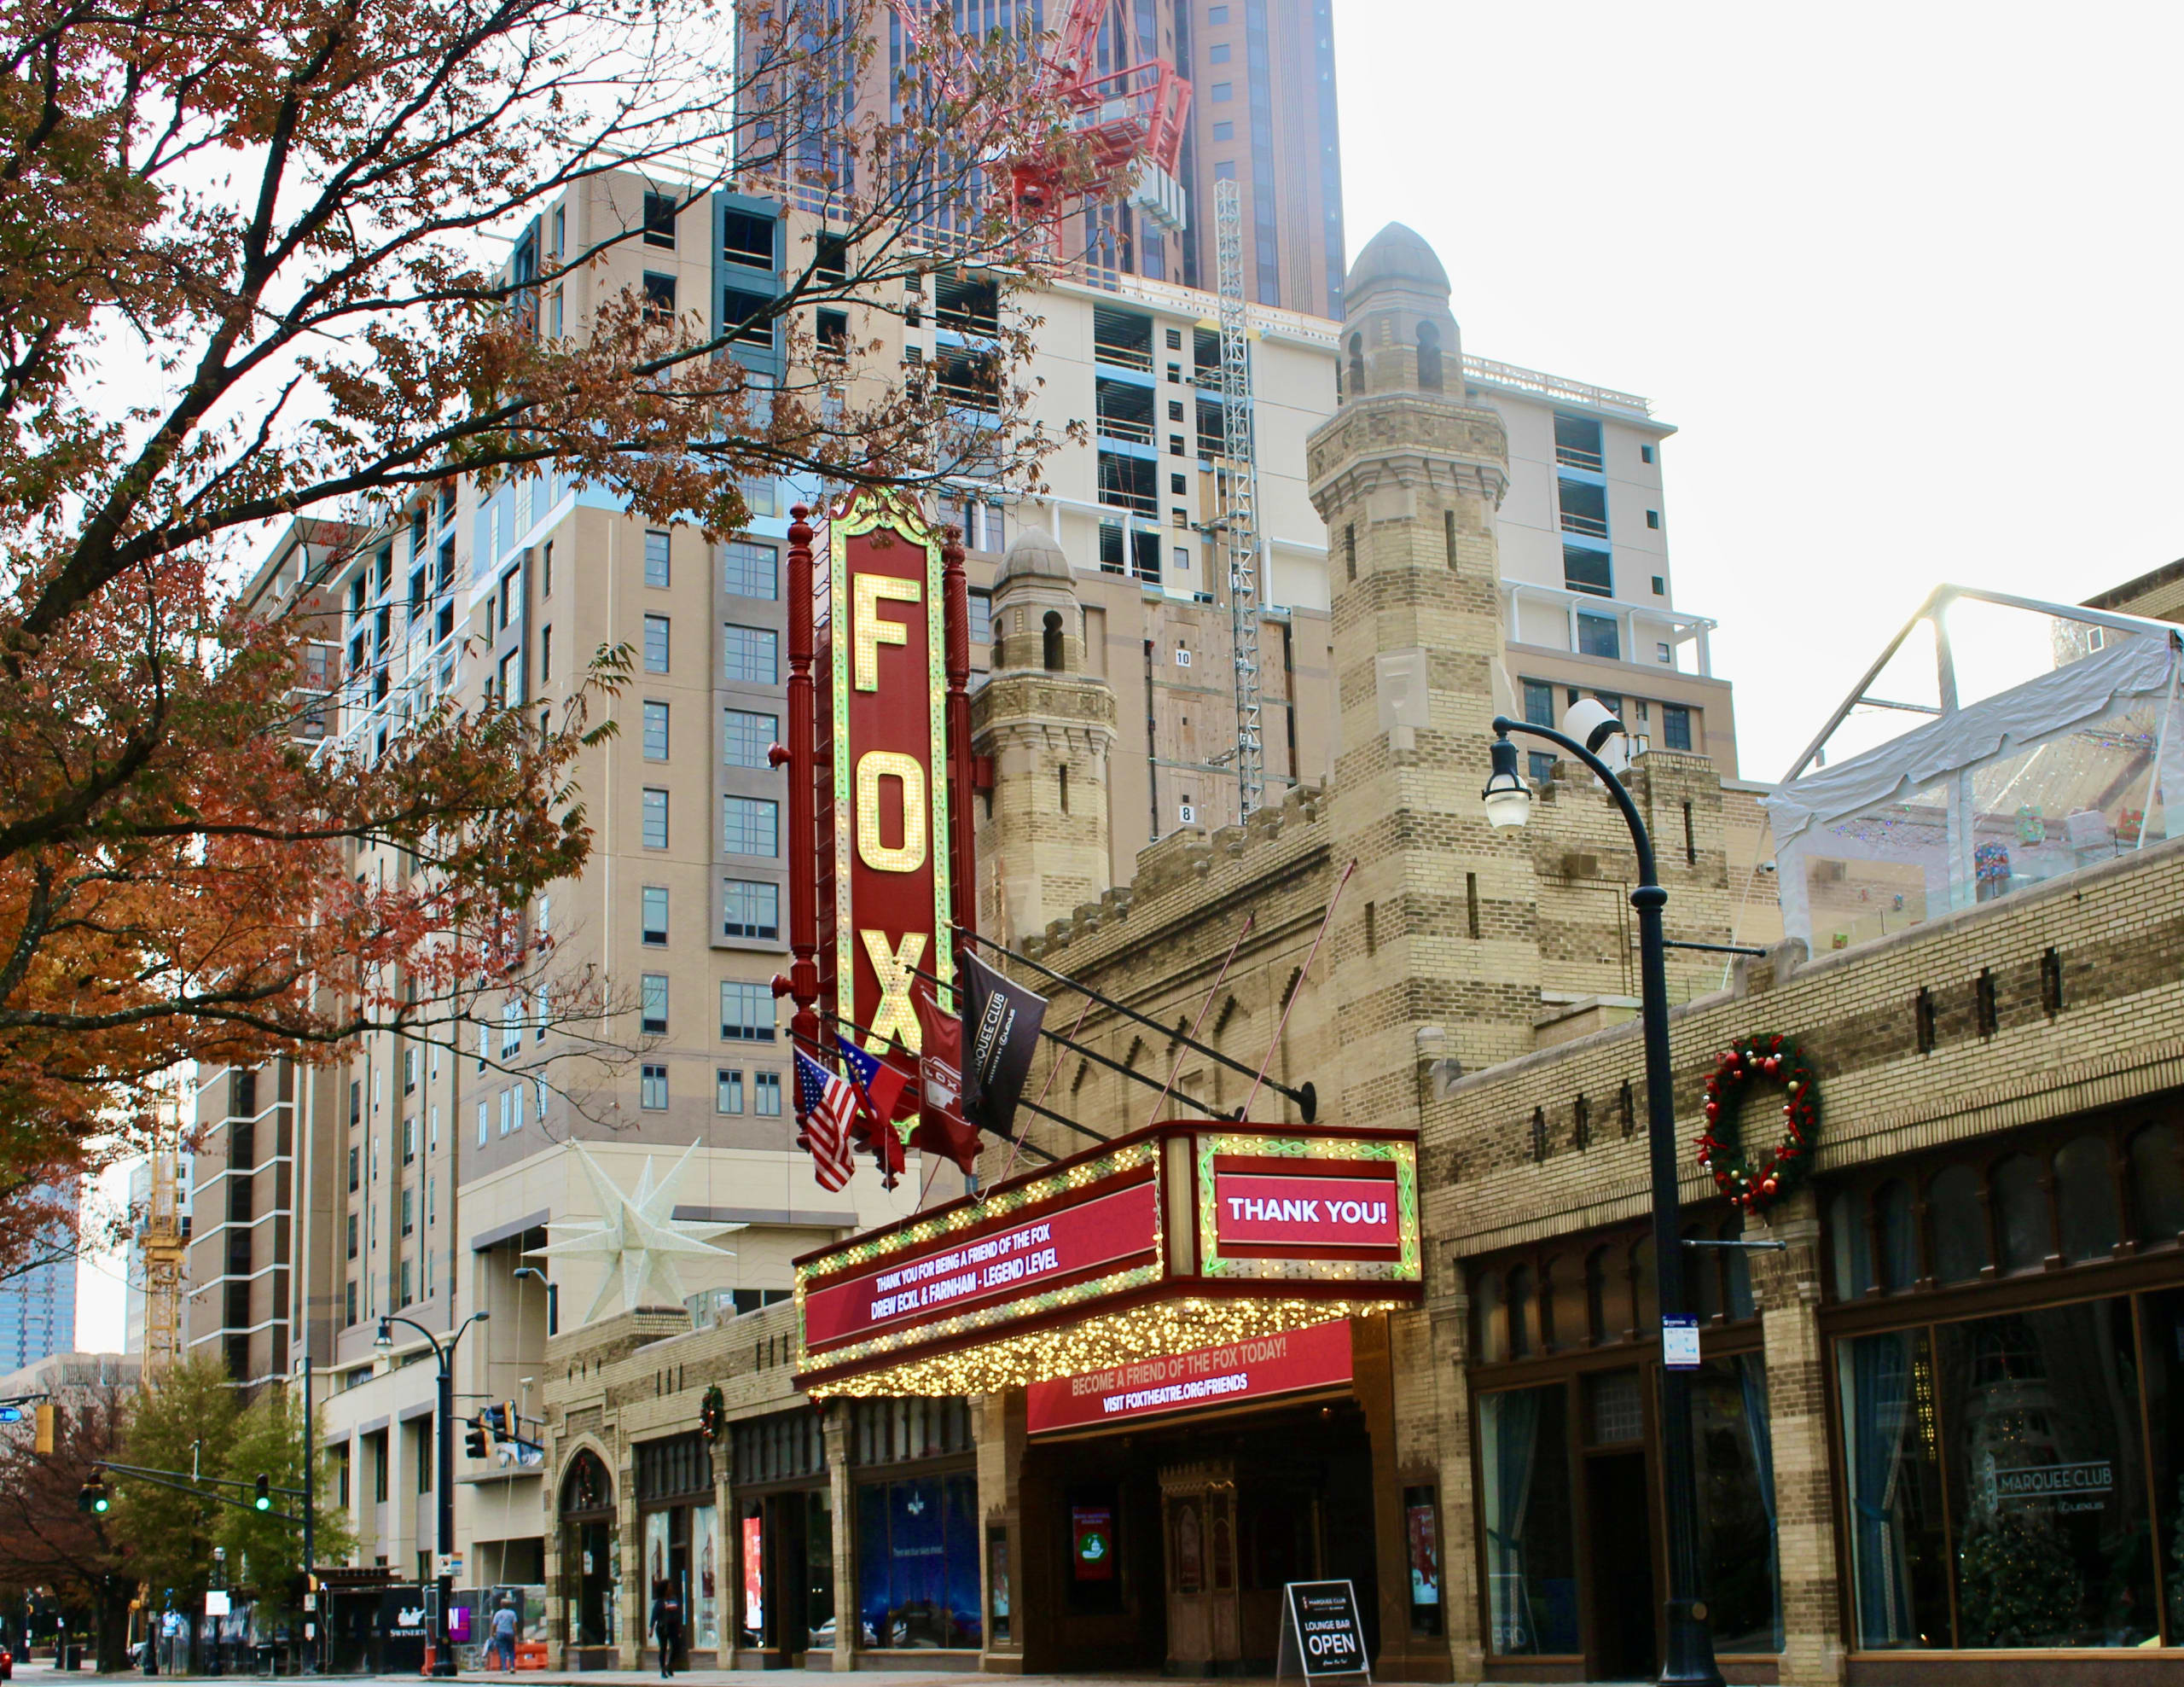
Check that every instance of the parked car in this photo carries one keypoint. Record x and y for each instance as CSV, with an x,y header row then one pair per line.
x,y
6,1664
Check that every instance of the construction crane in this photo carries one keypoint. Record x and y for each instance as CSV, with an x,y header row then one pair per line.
x,y
164,1247
1238,521
1132,120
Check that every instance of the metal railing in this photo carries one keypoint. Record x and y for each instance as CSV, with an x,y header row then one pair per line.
x,y
1592,527
1571,456
1485,370
1123,357
1122,427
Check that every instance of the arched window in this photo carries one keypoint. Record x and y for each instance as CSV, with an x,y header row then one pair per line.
x,y
2156,1186
1702,1277
1847,1246
1647,1289
1052,653
1898,1240
2021,1214
1486,1345
1958,1225
1429,357
2085,1197
587,1487
1522,1326
1564,1294
1607,1312
1356,365
1740,1303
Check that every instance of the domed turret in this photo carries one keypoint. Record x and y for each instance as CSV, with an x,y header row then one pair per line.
x,y
1397,333
1036,622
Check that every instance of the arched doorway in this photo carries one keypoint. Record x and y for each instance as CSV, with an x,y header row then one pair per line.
x,y
589,1560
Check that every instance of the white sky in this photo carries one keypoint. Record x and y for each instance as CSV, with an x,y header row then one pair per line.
x,y
1906,278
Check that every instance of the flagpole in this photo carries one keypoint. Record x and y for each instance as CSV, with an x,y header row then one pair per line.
x,y
1307,1101
803,980
1053,1072
1112,1065
1176,1066
1283,1024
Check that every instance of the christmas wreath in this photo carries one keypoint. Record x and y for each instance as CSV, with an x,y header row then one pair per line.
x,y
1759,1059
712,1413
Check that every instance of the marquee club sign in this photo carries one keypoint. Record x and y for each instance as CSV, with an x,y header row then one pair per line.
x,y
1178,1213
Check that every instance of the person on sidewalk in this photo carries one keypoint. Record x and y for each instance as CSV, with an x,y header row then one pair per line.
x,y
666,1624
504,1633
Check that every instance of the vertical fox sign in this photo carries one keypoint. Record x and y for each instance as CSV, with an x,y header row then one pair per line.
x,y
883,773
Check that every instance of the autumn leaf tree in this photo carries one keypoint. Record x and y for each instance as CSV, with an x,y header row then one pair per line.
x,y
46,1541
255,269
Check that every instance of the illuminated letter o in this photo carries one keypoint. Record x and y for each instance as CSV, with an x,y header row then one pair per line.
x,y
872,767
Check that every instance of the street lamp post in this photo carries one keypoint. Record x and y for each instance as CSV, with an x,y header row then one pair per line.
x,y
442,1654
1690,1658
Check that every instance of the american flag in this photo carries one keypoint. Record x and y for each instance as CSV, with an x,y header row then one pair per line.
x,y
826,1102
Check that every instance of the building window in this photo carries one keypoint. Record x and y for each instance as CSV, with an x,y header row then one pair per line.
x,y
1217,54
660,297
659,220
1225,170
655,732
1531,1546
747,1012
1676,727
483,1120
750,826
1540,764
1600,636
1429,357
746,736
1583,506
1225,130
405,1296
1663,655
352,1171
747,240
408,1213
655,644
353,1235
653,806
749,317
728,1090
511,1116
766,1094
652,900
750,909
651,1089
1591,572
1223,92
1645,453
652,1010
349,1314
750,656
750,570
1539,703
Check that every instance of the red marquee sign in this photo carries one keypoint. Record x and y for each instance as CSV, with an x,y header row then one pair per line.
x,y
1257,1211
1260,1368
886,772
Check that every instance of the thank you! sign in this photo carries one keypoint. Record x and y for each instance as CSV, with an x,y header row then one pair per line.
x,y
1252,1209
1320,1630
888,773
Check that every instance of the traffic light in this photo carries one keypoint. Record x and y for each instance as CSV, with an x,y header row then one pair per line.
x,y
495,1420
93,1497
262,1496
49,1428
478,1439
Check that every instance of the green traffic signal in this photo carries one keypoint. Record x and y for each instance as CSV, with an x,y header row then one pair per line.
x,y
92,1497
262,1500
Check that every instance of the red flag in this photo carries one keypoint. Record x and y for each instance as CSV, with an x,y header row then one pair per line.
x,y
942,1129
881,1087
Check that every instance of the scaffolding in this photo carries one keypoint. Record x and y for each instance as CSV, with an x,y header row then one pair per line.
x,y
1239,502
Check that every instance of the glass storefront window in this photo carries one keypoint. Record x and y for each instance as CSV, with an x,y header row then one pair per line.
x,y
1532,1560
1732,1452
2040,1414
1899,1560
819,1566
704,1603
917,1561
2162,1316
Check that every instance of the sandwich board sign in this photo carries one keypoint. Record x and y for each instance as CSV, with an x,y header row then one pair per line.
x,y
1320,1630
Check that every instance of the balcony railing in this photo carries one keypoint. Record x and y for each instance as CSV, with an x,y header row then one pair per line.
x,y
1571,456
1590,526
1123,357
1121,428
1120,498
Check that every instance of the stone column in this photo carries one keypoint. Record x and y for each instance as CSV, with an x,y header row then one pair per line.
x,y
1787,1286
1000,1462
834,1426
1448,1311
634,1598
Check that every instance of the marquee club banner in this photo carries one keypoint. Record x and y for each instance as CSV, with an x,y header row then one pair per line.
x,y
1120,1253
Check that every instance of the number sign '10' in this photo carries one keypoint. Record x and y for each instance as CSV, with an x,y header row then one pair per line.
x,y
890,754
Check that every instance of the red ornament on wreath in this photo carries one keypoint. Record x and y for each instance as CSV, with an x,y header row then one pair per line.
x,y
1768,1061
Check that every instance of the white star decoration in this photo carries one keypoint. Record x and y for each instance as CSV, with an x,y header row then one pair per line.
x,y
638,1233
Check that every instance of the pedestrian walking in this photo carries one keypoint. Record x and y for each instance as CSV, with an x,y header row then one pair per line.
x,y
666,1624
504,1633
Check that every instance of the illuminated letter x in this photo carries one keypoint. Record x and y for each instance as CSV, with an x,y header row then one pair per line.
x,y
895,1016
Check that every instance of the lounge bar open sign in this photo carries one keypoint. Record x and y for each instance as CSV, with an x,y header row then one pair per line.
x,y
890,752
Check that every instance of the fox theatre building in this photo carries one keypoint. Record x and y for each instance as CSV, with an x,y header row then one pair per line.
x,y
1181,1341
